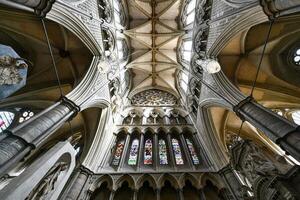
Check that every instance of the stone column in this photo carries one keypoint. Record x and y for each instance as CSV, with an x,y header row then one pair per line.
x,y
180,192
135,194
274,8
232,183
202,195
281,131
157,194
31,134
40,7
77,185
112,195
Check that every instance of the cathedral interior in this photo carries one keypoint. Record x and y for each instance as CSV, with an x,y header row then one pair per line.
x,y
150,99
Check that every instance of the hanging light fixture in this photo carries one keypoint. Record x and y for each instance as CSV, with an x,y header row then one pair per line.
x,y
209,65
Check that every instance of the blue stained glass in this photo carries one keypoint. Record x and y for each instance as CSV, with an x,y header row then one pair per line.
x,y
133,155
177,152
192,151
148,152
162,149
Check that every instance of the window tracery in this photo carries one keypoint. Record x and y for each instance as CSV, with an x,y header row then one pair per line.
x,y
177,152
154,97
133,154
148,152
163,156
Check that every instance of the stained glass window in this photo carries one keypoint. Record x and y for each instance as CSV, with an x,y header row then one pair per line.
x,y
177,152
133,155
6,119
148,152
118,152
162,149
192,151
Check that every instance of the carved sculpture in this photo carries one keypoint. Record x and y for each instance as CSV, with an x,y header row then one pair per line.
x,y
48,183
9,70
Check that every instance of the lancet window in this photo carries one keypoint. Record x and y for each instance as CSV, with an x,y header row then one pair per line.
x,y
133,154
148,152
163,155
177,152
118,151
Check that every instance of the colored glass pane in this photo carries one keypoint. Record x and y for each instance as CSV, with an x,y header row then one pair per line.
x,y
118,152
133,152
192,151
148,152
6,119
163,158
177,152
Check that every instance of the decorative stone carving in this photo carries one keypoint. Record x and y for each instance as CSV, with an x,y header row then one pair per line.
x,y
9,70
48,183
108,40
154,97
200,41
105,10
196,68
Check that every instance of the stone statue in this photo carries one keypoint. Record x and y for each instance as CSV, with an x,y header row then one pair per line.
x,y
9,70
48,183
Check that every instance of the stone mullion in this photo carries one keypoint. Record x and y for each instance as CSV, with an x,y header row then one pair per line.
x,y
155,152
124,153
141,152
186,151
171,153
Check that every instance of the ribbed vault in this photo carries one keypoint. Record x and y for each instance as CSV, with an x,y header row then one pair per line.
x,y
154,34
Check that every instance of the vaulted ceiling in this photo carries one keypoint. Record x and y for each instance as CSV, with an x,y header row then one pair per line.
x,y
154,34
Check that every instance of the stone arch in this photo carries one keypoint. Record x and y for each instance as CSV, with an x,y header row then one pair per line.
x,y
144,178
212,178
129,179
168,177
187,176
102,179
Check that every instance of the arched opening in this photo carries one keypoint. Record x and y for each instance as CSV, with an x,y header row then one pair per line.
x,y
146,192
168,192
190,192
211,191
102,192
124,192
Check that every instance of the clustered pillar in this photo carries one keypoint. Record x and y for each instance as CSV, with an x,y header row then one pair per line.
x,y
281,131
20,140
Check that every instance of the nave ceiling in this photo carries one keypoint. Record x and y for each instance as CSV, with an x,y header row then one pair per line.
x,y
154,35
